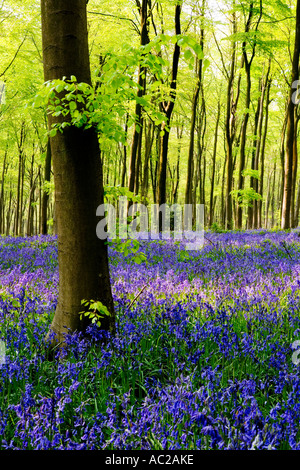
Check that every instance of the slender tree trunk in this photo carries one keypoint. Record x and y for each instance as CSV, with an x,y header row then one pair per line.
x,y
45,198
4,170
40,198
199,178
211,202
167,109
267,205
282,152
20,170
190,165
22,209
149,139
248,62
177,171
241,177
273,197
124,169
30,210
297,207
256,140
230,130
82,257
8,213
133,182
223,198
154,164
263,147
30,198
258,144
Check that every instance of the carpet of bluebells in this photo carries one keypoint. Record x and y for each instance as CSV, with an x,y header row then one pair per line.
x,y
202,357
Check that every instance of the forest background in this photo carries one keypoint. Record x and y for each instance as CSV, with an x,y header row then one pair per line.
x,y
194,107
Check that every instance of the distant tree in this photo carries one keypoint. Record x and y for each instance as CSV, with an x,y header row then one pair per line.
x,y
166,108
248,61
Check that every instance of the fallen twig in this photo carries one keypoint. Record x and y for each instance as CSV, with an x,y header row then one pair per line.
x,y
137,296
209,240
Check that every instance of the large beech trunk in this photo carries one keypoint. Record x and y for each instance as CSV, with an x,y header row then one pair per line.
x,y
286,221
82,257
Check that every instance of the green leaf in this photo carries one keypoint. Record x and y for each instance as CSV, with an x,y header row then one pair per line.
x,y
188,55
53,132
72,105
59,88
206,64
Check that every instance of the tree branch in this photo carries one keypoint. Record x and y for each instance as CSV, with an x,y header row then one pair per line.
x,y
14,57
136,28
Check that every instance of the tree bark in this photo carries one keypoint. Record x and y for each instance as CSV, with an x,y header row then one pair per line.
x,y
294,222
19,184
263,147
190,165
167,108
45,198
133,183
290,133
211,202
32,183
230,128
78,179
4,171
149,138
247,62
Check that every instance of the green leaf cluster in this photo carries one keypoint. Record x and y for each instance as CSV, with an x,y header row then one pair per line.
x,y
95,311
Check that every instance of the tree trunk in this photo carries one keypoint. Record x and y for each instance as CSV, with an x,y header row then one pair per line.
x,y
199,177
124,168
294,223
4,170
45,198
82,257
297,207
133,182
149,138
230,130
20,170
290,134
167,109
190,165
211,202
248,63
8,214
241,178
32,183
263,147
256,141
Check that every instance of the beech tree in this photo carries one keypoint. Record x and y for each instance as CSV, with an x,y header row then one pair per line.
x,y
167,107
291,135
82,257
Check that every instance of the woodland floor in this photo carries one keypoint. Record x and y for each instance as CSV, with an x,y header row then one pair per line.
x,y
204,358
